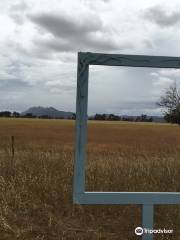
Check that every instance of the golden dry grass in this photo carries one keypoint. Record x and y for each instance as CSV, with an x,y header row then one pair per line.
x,y
36,186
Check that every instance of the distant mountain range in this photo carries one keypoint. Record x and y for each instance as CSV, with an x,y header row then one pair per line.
x,y
50,112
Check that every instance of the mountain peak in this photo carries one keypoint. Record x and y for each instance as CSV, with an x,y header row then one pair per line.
x,y
50,112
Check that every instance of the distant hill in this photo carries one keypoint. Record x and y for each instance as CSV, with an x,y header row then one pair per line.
x,y
50,112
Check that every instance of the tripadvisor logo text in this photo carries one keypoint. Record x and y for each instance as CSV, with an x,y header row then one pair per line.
x,y
140,231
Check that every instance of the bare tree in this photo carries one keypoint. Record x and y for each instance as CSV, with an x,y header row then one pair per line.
x,y
171,104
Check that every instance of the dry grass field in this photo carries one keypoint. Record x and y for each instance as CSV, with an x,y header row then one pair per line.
x,y
36,184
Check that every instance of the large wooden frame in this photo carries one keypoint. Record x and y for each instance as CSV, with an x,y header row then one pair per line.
x,y
147,199
80,195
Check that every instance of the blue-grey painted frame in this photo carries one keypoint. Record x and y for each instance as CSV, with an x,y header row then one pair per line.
x,y
79,194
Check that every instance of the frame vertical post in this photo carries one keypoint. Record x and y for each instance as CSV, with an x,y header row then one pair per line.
x,y
81,127
147,220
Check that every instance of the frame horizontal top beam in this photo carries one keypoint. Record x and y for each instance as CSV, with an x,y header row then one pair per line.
x,y
129,60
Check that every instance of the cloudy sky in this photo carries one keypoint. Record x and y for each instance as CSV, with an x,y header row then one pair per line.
x,y
40,40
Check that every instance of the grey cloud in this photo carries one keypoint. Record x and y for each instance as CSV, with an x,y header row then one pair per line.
x,y
17,12
70,34
162,17
55,45
62,89
148,43
137,105
104,43
17,18
130,108
21,6
12,84
59,87
16,69
132,105
68,88
86,44
65,26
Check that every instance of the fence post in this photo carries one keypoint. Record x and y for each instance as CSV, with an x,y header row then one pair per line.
x,y
12,151
147,220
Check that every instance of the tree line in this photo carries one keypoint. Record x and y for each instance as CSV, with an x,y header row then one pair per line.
x,y
97,116
14,114
113,117
9,114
